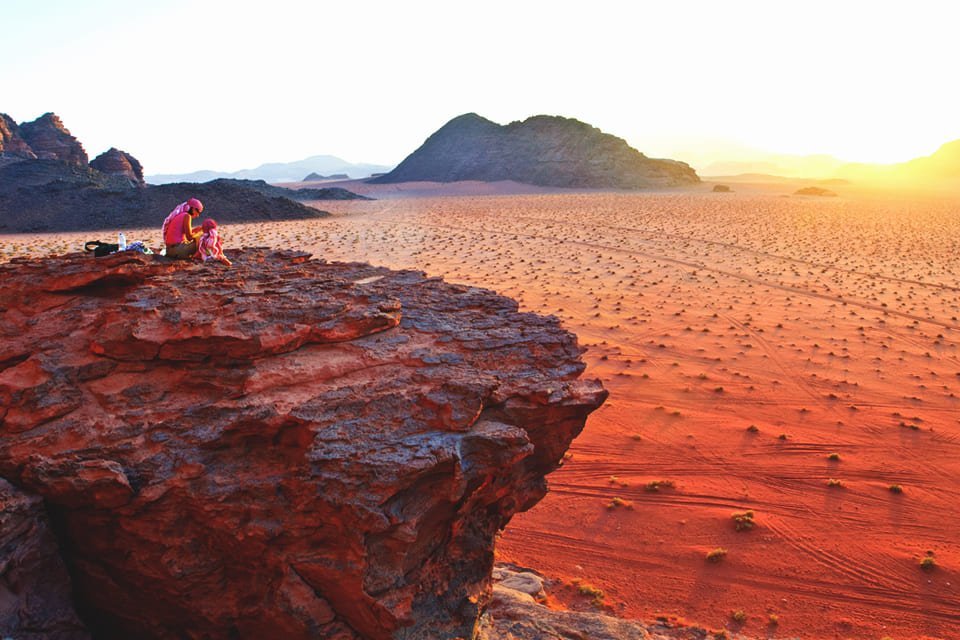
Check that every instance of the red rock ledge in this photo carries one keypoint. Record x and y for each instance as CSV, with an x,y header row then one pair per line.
x,y
282,449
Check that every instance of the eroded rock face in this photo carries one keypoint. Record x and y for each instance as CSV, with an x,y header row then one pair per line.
x,y
543,150
12,144
35,599
285,448
115,162
50,140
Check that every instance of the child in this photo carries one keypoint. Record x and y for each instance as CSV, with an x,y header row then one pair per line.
x,y
210,245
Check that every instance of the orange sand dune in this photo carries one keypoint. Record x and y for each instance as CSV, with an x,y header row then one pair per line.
x,y
746,338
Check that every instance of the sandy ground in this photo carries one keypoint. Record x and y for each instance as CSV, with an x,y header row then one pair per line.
x,y
797,357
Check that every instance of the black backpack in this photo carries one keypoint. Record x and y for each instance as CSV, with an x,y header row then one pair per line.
x,y
100,249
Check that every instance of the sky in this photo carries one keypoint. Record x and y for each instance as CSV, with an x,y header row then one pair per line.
x,y
225,85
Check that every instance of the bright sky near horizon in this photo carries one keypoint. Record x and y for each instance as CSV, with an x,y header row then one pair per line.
x,y
211,84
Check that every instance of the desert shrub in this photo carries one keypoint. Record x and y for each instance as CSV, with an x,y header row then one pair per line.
x,y
716,555
656,485
743,521
619,502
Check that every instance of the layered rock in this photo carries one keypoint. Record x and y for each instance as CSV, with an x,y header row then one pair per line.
x,y
115,162
543,150
12,144
50,140
35,599
285,448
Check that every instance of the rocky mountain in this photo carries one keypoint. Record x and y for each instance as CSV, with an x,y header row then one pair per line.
x,y
12,144
542,150
334,464
279,171
47,195
115,162
47,185
50,140
46,138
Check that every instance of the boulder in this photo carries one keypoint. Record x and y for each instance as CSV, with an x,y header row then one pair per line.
x,y
815,191
50,140
517,612
286,448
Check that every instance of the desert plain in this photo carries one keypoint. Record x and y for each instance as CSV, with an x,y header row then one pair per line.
x,y
793,357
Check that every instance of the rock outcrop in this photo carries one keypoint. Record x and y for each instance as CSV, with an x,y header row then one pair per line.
x,y
35,600
815,191
285,448
12,144
50,140
543,150
516,612
115,162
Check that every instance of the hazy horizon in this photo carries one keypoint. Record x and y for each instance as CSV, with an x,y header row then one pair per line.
x,y
227,86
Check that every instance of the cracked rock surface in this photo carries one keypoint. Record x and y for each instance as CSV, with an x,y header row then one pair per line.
x,y
284,448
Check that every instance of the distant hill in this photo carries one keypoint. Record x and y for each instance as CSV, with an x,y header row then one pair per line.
x,y
939,170
279,171
777,164
542,150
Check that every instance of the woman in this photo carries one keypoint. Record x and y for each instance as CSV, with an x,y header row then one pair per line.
x,y
178,232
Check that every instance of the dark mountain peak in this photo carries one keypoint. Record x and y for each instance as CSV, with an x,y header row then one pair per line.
x,y
543,150
468,123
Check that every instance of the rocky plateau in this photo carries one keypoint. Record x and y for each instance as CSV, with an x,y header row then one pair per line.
x,y
285,448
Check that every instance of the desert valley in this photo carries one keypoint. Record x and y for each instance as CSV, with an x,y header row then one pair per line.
x,y
513,321
795,357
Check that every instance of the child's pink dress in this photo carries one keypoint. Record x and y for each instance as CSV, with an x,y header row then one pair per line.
x,y
210,246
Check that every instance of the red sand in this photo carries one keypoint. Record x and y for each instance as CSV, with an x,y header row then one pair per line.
x,y
831,322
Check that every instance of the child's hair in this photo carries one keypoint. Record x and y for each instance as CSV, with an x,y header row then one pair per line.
x,y
209,224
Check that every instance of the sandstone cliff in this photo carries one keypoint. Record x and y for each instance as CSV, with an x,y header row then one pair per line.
x,y
12,144
282,449
542,150
115,162
50,140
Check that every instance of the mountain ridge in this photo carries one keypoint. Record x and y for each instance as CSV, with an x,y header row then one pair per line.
x,y
278,171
